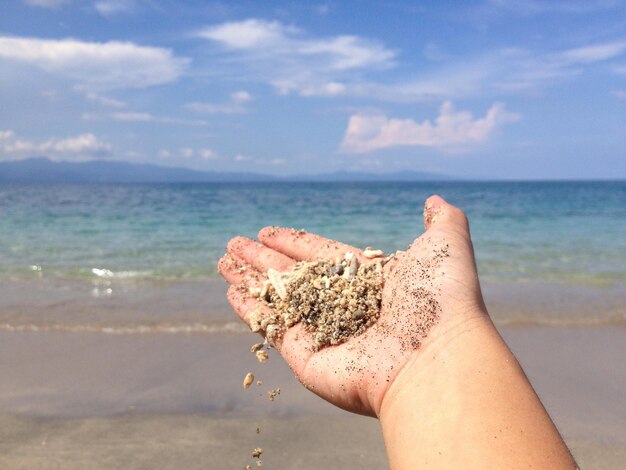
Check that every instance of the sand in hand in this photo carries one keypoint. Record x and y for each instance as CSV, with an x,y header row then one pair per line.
x,y
334,300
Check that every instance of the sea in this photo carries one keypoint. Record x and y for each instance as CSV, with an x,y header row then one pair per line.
x,y
141,258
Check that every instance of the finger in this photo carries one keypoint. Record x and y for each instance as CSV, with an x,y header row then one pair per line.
x,y
259,256
243,303
437,212
297,347
296,344
304,246
237,271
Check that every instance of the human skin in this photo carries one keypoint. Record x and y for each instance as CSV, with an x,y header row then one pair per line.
x,y
434,370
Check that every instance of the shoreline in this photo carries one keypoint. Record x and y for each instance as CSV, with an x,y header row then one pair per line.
x,y
195,306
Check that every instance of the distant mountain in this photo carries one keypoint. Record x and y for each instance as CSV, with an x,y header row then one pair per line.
x,y
347,176
43,170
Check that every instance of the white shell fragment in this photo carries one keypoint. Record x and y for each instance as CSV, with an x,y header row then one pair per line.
x,y
265,289
351,269
278,281
256,317
255,291
247,380
369,253
272,333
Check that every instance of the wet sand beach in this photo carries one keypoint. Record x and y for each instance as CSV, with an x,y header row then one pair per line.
x,y
77,400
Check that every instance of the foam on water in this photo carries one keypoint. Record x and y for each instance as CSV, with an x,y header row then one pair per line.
x,y
166,328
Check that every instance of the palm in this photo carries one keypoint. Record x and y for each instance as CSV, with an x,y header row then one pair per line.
x,y
435,276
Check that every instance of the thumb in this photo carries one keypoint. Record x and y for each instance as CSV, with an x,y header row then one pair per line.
x,y
437,212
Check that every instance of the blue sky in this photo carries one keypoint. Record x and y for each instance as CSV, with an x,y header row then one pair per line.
x,y
512,89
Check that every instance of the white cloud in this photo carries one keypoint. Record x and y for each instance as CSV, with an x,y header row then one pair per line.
x,y
215,108
207,154
132,116
112,7
594,52
274,38
620,95
241,96
506,70
97,65
188,153
242,158
348,52
47,3
104,100
536,7
82,147
248,34
284,87
451,129
292,61
134,155
5,135
235,106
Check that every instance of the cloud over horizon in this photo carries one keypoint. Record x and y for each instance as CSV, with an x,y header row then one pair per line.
x,y
367,133
82,147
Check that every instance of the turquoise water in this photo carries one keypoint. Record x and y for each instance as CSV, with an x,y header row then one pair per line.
x,y
574,232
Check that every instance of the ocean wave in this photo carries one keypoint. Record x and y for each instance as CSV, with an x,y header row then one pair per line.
x,y
172,329
239,327
105,273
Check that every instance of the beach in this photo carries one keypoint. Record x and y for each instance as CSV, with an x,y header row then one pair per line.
x,y
130,400
118,348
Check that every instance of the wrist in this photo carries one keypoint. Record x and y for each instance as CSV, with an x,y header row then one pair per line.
x,y
438,357
464,401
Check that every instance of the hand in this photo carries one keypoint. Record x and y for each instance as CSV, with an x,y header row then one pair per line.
x,y
430,291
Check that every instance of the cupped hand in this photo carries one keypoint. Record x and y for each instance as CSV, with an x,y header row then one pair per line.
x,y
430,291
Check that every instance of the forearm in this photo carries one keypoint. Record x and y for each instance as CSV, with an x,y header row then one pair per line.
x,y
464,402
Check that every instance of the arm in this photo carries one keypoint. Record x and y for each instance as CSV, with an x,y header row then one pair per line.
x,y
467,403
433,369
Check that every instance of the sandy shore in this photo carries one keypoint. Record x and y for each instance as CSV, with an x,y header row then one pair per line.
x,y
70,400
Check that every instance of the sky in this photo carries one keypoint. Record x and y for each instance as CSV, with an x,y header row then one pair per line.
x,y
496,89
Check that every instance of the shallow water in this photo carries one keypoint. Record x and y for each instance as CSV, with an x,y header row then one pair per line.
x,y
132,243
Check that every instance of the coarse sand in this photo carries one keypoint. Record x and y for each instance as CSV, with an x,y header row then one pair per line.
x,y
334,300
